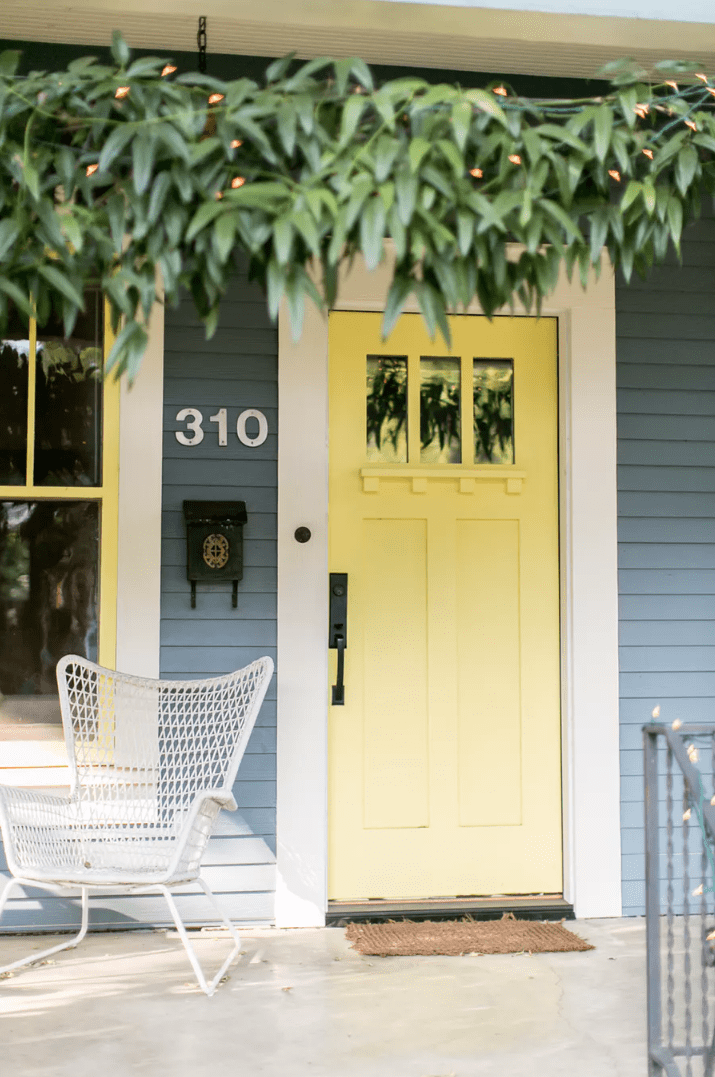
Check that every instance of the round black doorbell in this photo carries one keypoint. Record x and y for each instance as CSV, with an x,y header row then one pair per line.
x,y
302,534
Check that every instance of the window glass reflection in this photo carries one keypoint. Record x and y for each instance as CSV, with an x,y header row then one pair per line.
x,y
387,409
440,381
49,565
14,350
494,411
68,409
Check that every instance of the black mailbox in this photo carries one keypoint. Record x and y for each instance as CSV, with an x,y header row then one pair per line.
x,y
214,543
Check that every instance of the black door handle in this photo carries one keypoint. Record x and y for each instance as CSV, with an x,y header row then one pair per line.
x,y
339,688
338,634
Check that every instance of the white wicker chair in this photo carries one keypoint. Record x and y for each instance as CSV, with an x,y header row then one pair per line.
x,y
151,763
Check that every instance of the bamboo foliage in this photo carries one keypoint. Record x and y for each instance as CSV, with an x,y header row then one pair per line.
x,y
118,173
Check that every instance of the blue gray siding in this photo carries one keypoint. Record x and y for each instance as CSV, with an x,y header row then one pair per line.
x,y
236,370
666,507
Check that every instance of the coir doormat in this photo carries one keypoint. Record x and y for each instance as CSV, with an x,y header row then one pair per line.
x,y
454,938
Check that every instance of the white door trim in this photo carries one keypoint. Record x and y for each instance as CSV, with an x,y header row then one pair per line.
x,y
587,436
139,527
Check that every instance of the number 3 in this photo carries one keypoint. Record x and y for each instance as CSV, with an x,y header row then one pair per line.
x,y
194,419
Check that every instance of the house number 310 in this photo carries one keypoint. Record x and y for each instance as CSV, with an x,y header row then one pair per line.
x,y
194,434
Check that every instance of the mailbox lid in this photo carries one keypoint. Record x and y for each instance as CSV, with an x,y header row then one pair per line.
x,y
229,513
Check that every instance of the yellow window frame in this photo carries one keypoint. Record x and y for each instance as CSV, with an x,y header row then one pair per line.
x,y
107,494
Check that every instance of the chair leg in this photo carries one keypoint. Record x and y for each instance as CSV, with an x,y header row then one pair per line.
x,y
53,949
210,987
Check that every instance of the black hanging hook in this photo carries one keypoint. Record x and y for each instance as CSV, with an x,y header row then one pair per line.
x,y
201,42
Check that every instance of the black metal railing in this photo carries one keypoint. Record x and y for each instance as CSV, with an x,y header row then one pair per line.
x,y
679,770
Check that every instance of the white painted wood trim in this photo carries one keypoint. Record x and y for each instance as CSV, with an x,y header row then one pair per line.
x,y
139,538
591,779
302,748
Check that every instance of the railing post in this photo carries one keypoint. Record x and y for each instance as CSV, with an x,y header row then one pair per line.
x,y
652,892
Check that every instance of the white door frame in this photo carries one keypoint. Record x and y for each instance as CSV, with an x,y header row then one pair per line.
x,y
589,598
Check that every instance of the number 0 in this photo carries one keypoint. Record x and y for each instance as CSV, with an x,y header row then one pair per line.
x,y
262,434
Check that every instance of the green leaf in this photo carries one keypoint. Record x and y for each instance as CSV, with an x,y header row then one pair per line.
x,y
685,167
452,156
602,128
143,151
461,122
114,145
9,231
675,220
283,239
372,231
120,49
419,147
649,197
224,232
486,102
396,298
352,112
561,217
406,191
287,119
203,216
61,283
10,289
630,194
72,230
305,224
465,231
160,189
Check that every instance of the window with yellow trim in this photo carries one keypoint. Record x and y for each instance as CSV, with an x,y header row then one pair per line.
x,y
58,521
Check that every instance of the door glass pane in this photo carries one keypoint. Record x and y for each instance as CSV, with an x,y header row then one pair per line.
x,y
493,411
49,572
68,407
440,381
14,350
387,409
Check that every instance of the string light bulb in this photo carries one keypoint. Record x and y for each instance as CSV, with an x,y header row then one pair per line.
x,y
686,815
698,891
515,158
238,181
649,154
476,172
690,124
215,98
641,110
676,724
500,91
236,143
122,91
614,174
699,75
672,84
655,713
168,69
218,196
91,169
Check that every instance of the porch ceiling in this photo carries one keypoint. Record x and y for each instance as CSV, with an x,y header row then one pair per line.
x,y
421,35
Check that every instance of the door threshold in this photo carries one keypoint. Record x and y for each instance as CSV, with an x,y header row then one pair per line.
x,y
523,906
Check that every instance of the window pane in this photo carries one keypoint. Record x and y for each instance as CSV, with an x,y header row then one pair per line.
x,y
14,350
68,410
439,410
49,572
493,411
387,409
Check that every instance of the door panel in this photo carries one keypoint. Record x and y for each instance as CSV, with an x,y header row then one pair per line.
x,y
445,759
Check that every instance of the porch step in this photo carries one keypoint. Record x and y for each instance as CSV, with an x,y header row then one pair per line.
x,y
525,907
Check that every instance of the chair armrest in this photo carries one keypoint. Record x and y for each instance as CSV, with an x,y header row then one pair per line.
x,y
26,807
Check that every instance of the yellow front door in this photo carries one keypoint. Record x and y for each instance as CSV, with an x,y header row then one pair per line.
x,y
444,762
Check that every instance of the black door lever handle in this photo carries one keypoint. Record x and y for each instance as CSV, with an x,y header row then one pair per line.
x,y
339,688
338,634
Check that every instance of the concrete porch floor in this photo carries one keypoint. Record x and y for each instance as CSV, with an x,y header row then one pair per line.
x,y
301,1003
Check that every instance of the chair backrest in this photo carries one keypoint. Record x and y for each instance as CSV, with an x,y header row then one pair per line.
x,y
152,745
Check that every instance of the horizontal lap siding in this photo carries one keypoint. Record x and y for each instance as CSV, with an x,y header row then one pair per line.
x,y
666,507
237,370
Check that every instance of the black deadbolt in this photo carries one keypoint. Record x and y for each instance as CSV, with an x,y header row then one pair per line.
x,y
338,590
302,534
